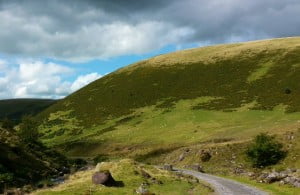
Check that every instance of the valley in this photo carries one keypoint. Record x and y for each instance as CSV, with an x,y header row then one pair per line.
x,y
177,107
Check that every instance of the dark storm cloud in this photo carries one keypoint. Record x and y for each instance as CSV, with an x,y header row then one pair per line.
x,y
82,30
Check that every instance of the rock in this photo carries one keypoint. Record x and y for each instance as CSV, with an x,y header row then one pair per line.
x,y
251,174
238,170
145,174
272,177
291,170
261,177
84,168
292,181
195,167
205,156
168,167
143,189
104,178
297,184
65,170
181,157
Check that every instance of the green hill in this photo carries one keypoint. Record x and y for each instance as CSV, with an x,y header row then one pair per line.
x,y
223,93
14,109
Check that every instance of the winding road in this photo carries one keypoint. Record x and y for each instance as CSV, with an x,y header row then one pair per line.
x,y
224,186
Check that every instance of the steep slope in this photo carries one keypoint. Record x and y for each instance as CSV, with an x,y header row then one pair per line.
x,y
25,163
221,92
14,109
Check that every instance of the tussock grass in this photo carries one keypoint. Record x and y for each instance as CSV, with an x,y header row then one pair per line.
x,y
130,173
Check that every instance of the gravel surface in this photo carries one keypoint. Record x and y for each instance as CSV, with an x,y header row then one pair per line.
x,y
224,186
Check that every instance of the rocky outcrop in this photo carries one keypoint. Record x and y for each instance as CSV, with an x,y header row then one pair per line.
x,y
104,178
289,176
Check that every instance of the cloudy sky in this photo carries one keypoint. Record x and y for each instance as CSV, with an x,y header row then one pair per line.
x,y
51,48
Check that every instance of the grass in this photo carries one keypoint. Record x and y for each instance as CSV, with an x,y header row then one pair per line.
x,y
228,91
130,173
222,72
213,98
274,189
153,128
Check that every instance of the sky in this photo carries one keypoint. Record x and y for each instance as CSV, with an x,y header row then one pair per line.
x,y
51,48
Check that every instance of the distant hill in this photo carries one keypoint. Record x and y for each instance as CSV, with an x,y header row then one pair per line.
x,y
223,92
14,109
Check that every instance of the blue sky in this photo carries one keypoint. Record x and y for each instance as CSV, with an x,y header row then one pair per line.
x,y
51,48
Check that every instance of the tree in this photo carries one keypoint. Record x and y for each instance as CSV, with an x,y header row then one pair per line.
x,y
7,124
29,129
265,150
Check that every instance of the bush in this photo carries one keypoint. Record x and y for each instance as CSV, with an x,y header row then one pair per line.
x,y
265,151
29,129
6,177
7,124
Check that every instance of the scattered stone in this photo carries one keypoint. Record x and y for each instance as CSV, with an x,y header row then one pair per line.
x,y
251,174
65,170
104,178
195,167
143,189
145,174
288,176
168,167
181,157
84,168
238,170
272,177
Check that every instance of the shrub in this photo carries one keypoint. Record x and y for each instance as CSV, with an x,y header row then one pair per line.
x,y
7,124
265,150
6,177
29,129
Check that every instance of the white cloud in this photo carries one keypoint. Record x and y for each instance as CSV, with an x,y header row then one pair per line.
x,y
84,80
84,30
37,79
2,65
43,36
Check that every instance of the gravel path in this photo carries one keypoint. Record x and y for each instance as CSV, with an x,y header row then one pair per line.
x,y
224,186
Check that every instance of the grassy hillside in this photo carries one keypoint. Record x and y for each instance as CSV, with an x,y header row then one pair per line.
x,y
14,109
226,93
131,175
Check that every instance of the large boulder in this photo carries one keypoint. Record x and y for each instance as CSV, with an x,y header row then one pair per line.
x,y
104,178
